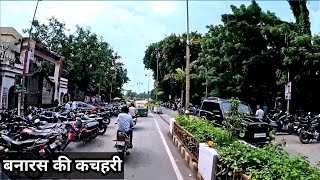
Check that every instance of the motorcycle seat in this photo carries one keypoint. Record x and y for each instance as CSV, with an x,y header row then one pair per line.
x,y
91,125
46,117
93,116
47,126
63,116
17,145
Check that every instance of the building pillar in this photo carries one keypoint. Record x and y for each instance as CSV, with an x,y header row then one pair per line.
x,y
1,91
57,77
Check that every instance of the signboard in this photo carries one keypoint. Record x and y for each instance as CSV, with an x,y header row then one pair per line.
x,y
288,91
4,97
18,84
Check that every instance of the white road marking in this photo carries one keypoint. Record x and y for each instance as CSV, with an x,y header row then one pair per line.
x,y
173,162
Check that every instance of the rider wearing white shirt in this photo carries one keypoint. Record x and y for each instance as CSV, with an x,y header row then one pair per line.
x,y
67,106
73,106
132,111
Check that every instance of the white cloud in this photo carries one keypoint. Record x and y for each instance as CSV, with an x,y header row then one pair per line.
x,y
315,17
164,8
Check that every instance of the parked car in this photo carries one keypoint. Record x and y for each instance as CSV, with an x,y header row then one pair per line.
x,y
216,110
86,107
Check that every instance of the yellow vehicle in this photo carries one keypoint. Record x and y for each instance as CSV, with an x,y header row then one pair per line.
x,y
142,107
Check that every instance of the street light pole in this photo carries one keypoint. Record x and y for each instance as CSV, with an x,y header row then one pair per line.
x,y
148,85
187,65
25,63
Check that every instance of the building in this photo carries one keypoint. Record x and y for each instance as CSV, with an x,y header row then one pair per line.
x,y
13,47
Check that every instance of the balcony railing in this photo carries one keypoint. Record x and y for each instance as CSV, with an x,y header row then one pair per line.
x,y
188,141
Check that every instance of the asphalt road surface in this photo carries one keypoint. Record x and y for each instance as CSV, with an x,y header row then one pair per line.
x,y
293,144
153,157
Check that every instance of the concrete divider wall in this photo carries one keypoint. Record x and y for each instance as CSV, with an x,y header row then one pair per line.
x,y
205,168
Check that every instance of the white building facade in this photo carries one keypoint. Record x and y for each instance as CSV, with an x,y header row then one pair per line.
x,y
13,47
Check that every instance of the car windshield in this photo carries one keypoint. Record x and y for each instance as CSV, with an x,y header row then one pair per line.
x,y
243,108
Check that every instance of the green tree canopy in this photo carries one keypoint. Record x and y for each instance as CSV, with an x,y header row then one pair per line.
x,y
91,65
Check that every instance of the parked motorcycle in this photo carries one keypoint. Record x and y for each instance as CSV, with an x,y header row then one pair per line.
x,y
310,130
82,131
28,149
281,123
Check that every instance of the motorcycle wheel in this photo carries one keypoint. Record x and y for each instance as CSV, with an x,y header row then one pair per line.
x,y
64,145
102,129
31,174
303,139
107,120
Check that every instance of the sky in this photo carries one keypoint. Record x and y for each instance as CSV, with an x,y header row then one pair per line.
x,y
130,26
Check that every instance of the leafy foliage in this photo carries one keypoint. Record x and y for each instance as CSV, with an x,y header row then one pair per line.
x,y
233,123
247,56
91,65
270,162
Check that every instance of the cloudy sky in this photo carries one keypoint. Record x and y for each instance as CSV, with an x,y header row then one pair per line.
x,y
129,26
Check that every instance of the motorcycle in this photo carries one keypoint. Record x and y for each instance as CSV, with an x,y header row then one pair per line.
x,y
135,119
103,122
82,131
281,123
310,131
28,149
122,142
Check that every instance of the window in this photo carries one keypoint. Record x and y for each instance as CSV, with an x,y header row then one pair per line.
x,y
226,106
210,106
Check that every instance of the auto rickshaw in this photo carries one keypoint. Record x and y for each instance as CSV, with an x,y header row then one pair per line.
x,y
142,107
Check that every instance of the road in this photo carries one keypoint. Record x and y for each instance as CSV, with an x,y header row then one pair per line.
x,y
293,144
153,155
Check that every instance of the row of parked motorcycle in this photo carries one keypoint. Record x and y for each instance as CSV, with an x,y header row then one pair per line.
x,y
306,126
42,134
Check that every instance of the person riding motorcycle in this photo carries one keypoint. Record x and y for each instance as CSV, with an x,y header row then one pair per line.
x,y
133,111
125,123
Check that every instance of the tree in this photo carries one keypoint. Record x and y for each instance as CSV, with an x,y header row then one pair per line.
x,y
171,54
88,59
179,77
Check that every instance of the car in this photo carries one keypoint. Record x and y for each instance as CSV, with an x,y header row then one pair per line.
x,y
86,107
216,110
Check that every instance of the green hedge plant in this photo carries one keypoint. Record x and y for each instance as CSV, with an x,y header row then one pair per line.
x,y
268,163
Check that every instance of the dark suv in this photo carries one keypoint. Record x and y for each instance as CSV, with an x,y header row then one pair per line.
x,y
216,110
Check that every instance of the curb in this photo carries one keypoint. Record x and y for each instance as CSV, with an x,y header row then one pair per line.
x,y
193,166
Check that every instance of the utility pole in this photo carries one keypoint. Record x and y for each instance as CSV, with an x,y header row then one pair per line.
x,y
288,84
187,65
148,85
288,100
157,83
111,90
139,83
206,82
22,97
